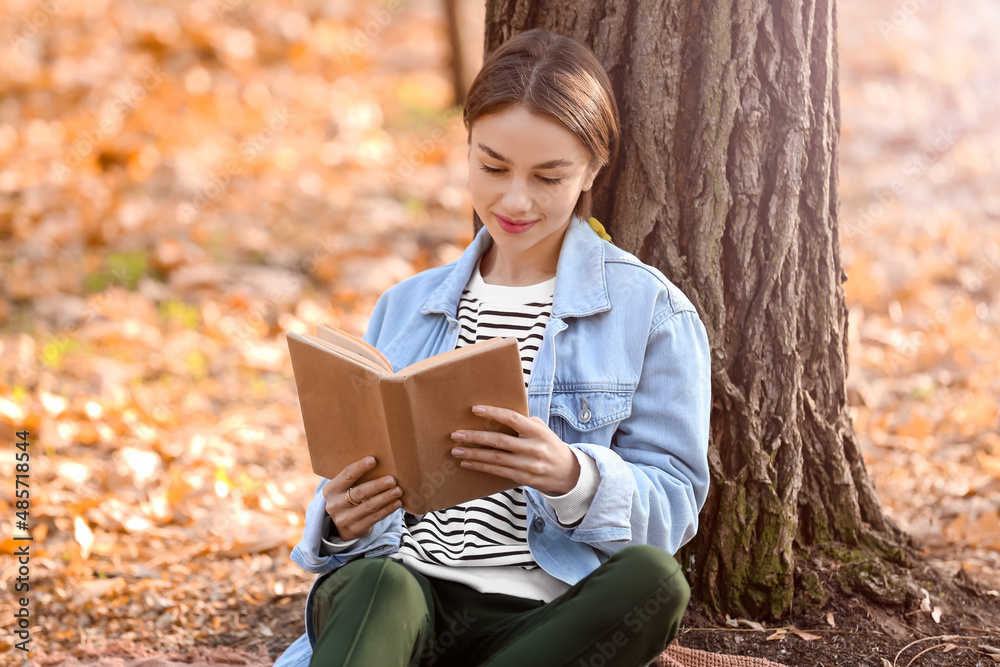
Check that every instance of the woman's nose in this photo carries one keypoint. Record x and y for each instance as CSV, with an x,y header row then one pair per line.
x,y
516,199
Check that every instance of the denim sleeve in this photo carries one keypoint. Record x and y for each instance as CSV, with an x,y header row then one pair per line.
x,y
572,505
329,543
298,654
307,553
654,476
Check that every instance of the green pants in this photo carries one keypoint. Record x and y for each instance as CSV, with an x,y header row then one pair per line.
x,y
377,612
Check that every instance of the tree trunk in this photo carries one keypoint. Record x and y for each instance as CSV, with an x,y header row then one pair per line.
x,y
727,182
464,18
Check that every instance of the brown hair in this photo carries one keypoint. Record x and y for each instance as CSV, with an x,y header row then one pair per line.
x,y
560,78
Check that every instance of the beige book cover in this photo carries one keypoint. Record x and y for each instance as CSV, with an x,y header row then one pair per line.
x,y
354,405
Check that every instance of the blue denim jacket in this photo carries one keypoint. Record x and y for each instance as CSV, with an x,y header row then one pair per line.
x,y
621,337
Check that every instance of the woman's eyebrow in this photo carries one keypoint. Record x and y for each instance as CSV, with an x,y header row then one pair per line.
x,y
550,164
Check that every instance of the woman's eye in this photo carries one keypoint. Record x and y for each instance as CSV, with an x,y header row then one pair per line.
x,y
543,179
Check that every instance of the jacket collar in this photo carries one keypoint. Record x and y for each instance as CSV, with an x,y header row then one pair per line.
x,y
581,287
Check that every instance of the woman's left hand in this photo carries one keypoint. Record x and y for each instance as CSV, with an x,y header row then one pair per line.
x,y
536,457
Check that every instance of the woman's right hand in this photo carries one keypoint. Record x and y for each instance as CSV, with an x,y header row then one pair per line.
x,y
376,500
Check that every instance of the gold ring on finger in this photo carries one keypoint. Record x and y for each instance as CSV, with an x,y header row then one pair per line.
x,y
350,501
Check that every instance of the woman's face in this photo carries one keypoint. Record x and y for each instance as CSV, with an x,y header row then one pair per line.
x,y
526,168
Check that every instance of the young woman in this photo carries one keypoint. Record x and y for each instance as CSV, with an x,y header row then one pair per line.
x,y
573,566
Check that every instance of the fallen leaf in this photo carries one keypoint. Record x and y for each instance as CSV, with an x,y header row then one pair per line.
x,y
802,634
83,535
990,464
830,621
984,532
97,588
917,427
955,531
754,625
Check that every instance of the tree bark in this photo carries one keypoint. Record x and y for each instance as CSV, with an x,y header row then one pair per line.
x,y
727,182
464,17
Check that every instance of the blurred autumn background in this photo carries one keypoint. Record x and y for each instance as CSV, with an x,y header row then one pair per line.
x,y
182,183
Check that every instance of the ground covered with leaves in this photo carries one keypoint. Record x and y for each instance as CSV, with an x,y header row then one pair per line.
x,y
183,183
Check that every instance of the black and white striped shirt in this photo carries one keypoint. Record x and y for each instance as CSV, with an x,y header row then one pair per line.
x,y
483,543
489,531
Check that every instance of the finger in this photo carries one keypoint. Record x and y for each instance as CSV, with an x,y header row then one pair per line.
x,y
490,439
353,472
511,418
498,470
497,462
490,455
374,501
373,518
386,498
363,523
363,492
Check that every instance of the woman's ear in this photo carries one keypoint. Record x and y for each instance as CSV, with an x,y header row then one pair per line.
x,y
588,182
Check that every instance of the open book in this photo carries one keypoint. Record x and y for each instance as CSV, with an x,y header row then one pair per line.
x,y
353,405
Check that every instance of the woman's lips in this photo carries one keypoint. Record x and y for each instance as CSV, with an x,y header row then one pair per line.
x,y
514,226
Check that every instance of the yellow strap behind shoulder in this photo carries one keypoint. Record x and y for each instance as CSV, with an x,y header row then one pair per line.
x,y
599,228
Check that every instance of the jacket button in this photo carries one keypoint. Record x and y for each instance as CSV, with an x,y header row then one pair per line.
x,y
538,525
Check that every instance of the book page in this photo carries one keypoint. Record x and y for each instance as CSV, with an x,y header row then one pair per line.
x,y
345,340
342,351
449,356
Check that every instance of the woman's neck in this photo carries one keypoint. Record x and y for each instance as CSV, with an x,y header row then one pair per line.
x,y
497,268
